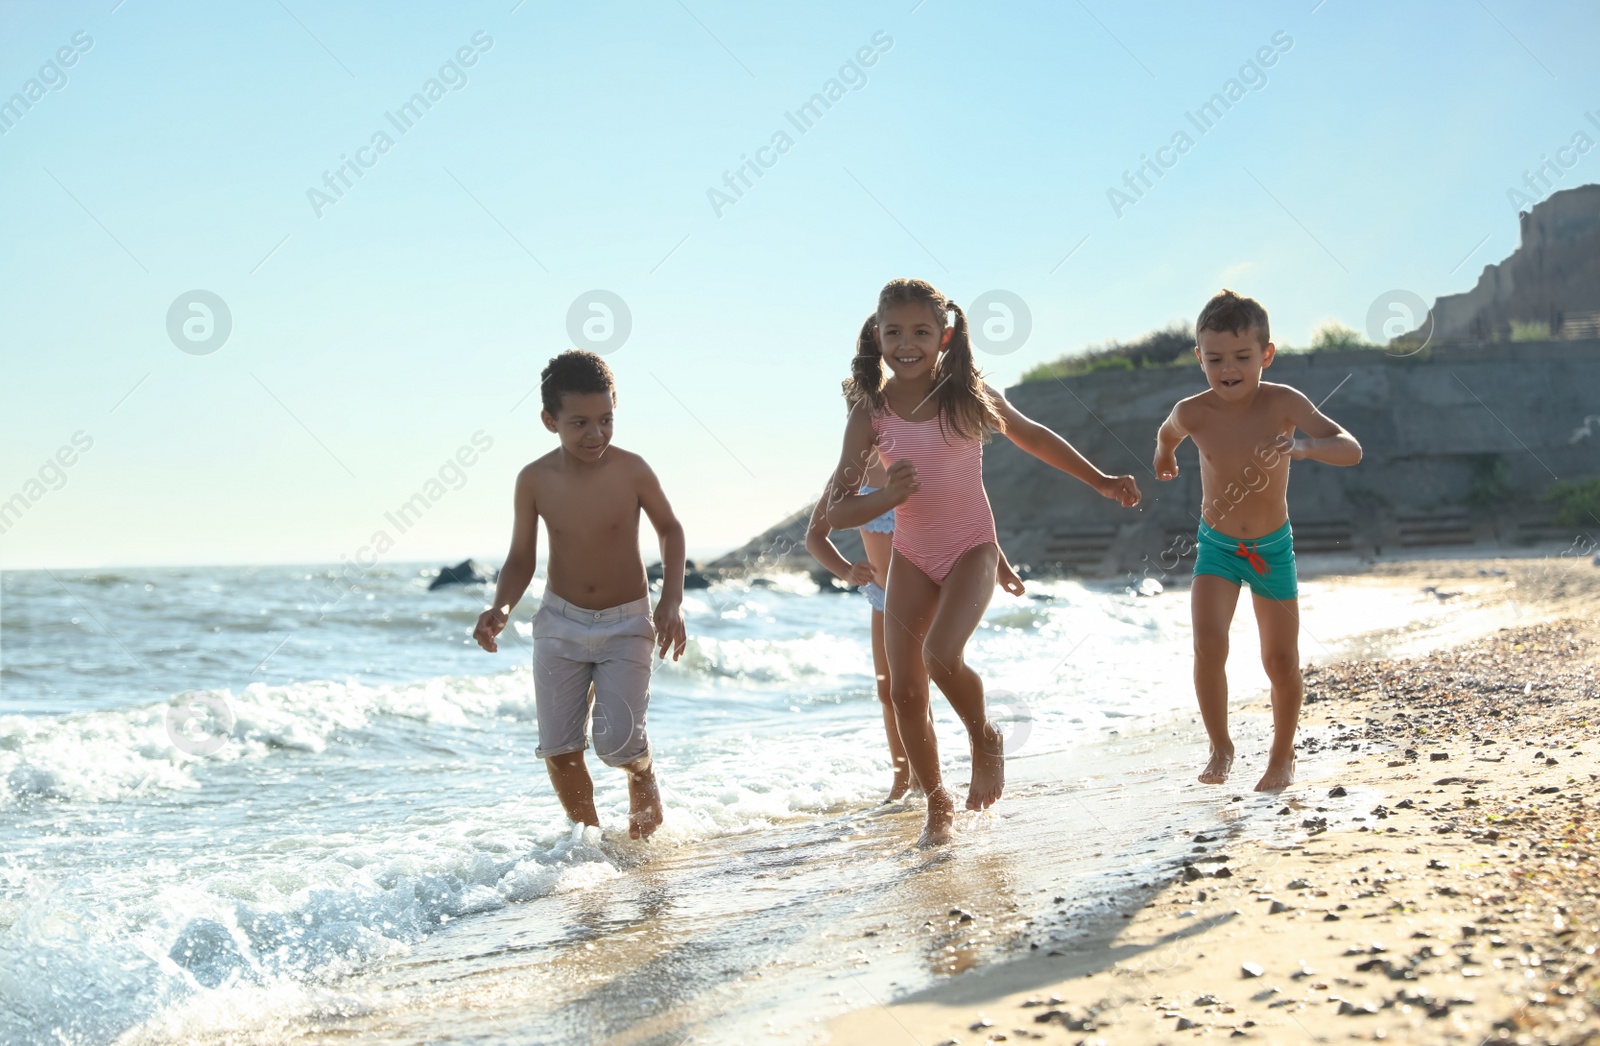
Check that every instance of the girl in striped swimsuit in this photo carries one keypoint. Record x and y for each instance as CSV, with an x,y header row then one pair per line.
x,y
928,419
872,574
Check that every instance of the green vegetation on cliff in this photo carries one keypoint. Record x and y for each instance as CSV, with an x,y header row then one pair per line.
x,y
1173,346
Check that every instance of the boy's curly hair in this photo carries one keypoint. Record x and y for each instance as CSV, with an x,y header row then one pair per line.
x,y
965,408
1230,312
574,371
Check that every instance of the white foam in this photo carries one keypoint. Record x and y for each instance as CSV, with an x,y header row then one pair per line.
x,y
111,754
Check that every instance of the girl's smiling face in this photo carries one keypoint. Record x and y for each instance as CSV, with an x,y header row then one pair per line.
x,y
911,336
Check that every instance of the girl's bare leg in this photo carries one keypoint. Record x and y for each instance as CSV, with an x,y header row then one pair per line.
x,y
963,598
912,600
1211,604
897,751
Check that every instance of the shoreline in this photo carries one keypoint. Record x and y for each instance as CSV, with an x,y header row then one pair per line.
x,y
1413,886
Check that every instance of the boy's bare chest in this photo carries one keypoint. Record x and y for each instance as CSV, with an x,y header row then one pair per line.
x,y
1227,441
588,505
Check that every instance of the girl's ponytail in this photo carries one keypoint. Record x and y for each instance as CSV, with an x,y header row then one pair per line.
x,y
866,369
964,404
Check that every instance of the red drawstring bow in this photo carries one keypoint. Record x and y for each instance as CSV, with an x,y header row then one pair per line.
x,y
1257,564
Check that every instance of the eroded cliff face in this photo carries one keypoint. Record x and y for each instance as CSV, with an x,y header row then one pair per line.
x,y
1553,277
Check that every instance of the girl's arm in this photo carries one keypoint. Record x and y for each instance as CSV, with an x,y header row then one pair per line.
x,y
1044,444
846,510
822,548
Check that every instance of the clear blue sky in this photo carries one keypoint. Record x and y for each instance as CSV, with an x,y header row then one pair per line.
x,y
372,341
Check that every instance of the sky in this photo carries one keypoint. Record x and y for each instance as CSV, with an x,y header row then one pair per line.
x,y
178,174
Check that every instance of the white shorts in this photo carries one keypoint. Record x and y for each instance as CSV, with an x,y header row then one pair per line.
x,y
603,655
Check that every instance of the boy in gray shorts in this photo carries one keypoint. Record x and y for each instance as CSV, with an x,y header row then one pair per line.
x,y
593,634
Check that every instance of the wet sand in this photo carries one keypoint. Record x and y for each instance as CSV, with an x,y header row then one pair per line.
x,y
1429,879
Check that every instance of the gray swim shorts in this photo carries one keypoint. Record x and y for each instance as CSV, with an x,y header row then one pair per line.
x,y
609,651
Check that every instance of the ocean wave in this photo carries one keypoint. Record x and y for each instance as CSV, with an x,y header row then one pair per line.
x,y
196,955
111,754
776,660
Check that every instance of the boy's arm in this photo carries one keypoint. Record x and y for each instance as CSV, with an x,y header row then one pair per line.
x,y
1043,443
670,629
846,510
1326,441
1172,433
518,568
823,550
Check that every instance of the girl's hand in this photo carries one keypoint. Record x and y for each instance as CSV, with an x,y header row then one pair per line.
x,y
490,624
670,629
1121,489
1282,445
860,573
1166,465
1008,578
902,480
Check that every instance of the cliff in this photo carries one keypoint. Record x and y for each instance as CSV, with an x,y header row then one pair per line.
x,y
1553,277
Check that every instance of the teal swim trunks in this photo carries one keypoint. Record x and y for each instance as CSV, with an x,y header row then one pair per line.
x,y
1266,563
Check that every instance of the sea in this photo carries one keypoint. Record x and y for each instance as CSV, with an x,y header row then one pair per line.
x,y
271,804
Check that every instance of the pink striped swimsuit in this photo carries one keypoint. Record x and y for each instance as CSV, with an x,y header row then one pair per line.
x,y
950,515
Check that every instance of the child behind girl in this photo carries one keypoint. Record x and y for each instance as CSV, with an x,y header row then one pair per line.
x,y
872,575
928,419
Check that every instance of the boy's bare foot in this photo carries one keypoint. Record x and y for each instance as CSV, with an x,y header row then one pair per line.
x,y
988,768
941,816
1279,775
1217,770
644,804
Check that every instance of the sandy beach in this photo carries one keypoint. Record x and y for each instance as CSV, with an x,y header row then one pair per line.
x,y
1429,879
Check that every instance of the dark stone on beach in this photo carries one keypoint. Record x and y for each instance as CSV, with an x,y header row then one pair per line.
x,y
1191,873
1184,1024
1330,918
466,572
692,577
1206,1000
961,915
1337,792
1277,906
1438,757
1222,873
826,583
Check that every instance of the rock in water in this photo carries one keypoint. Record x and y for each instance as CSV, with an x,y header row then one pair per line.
x,y
466,572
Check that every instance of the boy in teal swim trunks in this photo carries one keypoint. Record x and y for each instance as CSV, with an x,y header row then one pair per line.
x,y
1245,429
